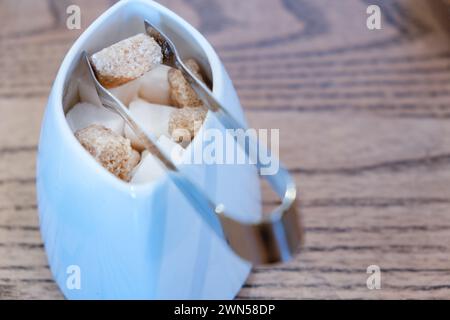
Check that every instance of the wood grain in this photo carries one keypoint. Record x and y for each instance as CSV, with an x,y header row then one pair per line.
x,y
365,126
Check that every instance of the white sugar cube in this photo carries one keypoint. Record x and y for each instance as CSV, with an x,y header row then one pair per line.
x,y
172,149
155,86
84,114
149,169
152,118
127,92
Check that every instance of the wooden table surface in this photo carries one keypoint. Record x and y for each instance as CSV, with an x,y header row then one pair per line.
x,y
365,128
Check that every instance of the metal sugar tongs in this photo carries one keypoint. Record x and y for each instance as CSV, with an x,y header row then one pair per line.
x,y
275,238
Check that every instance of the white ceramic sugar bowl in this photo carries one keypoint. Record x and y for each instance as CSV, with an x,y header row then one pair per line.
x,y
107,239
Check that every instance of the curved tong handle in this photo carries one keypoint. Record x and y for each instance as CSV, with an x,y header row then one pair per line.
x,y
273,239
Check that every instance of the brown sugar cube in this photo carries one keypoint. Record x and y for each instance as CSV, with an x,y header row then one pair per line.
x,y
126,60
194,67
110,149
186,121
181,92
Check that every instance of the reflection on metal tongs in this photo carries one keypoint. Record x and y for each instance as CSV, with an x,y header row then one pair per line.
x,y
276,237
